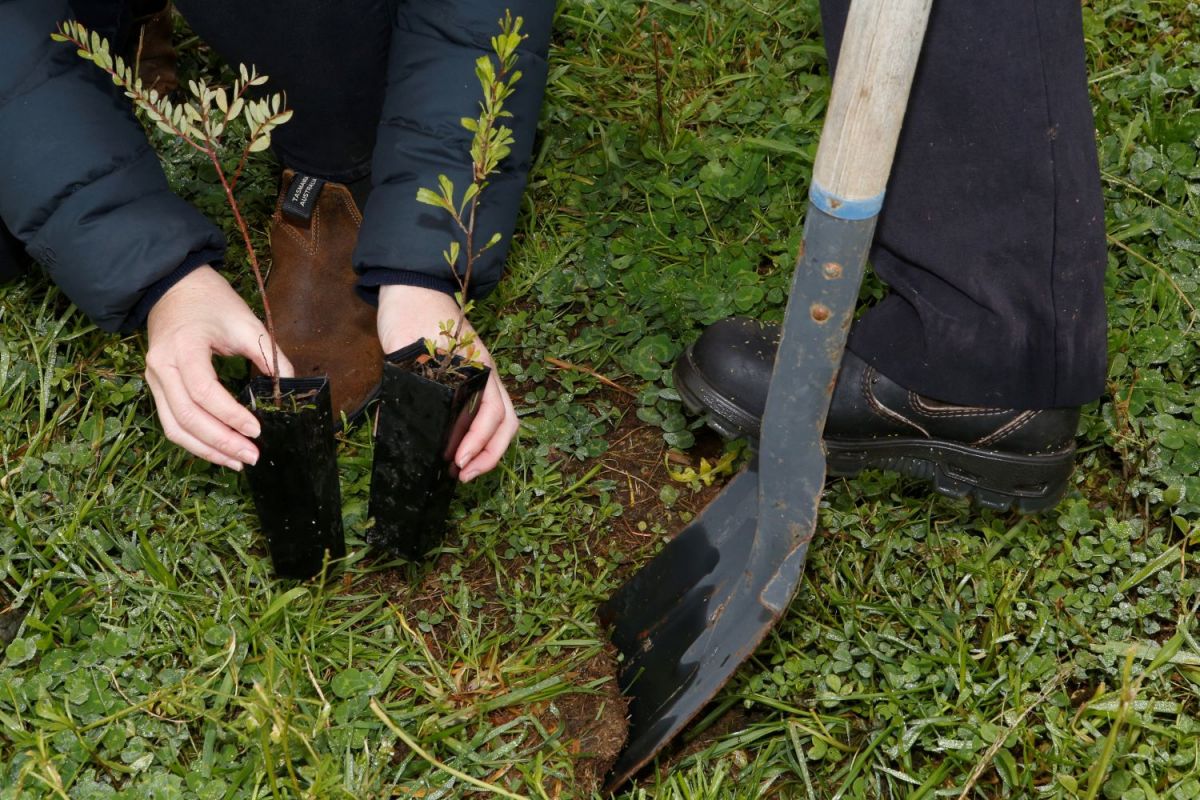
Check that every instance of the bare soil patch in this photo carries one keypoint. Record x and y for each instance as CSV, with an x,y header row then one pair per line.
x,y
593,723
596,722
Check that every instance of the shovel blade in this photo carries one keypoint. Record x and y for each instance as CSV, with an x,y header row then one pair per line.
x,y
694,613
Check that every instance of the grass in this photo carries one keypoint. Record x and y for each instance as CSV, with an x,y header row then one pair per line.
x,y
932,651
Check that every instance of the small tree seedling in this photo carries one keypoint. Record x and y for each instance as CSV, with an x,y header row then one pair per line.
x,y
490,144
205,121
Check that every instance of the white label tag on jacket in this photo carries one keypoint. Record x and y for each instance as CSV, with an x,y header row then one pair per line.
x,y
301,198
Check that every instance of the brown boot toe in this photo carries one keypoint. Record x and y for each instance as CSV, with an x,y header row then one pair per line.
x,y
323,326
151,45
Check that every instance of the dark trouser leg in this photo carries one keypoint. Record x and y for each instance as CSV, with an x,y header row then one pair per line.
x,y
331,59
12,256
992,234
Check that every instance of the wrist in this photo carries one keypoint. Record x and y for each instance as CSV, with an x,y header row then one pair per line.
x,y
140,314
194,279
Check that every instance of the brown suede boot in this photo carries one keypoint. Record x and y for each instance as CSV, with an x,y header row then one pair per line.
x,y
152,30
323,326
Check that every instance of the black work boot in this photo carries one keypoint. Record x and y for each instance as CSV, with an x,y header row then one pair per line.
x,y
1000,457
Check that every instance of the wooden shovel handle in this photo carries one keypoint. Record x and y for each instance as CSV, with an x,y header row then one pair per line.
x,y
870,91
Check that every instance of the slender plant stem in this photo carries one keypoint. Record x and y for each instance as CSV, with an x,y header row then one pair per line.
x,y
277,392
237,173
211,152
658,86
464,281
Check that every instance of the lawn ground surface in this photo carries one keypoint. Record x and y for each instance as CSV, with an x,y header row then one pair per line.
x,y
933,650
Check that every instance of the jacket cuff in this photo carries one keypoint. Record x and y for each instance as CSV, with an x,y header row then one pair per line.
x,y
372,278
199,258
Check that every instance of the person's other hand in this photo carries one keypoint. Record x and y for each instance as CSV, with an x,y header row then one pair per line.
x,y
199,316
408,313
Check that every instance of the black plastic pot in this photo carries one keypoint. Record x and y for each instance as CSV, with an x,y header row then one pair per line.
x,y
295,482
421,423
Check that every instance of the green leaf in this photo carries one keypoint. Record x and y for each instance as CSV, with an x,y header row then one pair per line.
x,y
485,71
470,193
680,440
650,354
1006,767
218,635
430,198
20,650
447,187
115,644
353,682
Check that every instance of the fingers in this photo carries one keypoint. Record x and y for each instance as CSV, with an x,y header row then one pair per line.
x,y
196,318
195,401
199,380
490,434
196,411
176,433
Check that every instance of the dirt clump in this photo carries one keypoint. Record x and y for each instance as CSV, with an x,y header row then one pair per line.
x,y
595,723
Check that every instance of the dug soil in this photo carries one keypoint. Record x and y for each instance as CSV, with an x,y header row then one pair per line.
x,y
592,723
596,723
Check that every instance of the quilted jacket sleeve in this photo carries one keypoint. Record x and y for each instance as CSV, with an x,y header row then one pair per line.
x,y
79,184
431,87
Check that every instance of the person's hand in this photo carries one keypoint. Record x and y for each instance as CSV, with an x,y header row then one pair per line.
x,y
197,317
408,313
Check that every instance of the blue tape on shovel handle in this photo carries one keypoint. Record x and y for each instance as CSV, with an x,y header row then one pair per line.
x,y
841,208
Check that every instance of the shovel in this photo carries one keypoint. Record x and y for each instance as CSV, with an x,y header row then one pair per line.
x,y
694,613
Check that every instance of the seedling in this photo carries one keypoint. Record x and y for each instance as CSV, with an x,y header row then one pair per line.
x,y
205,121
491,143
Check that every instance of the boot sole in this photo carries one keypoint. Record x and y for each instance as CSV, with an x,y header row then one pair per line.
x,y
993,480
999,481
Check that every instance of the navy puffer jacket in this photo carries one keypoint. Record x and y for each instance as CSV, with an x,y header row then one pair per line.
x,y
81,188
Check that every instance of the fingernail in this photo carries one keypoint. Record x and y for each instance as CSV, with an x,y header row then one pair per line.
x,y
252,430
236,466
469,475
465,458
248,457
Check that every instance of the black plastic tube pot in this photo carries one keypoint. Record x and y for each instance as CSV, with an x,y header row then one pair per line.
x,y
421,423
295,482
